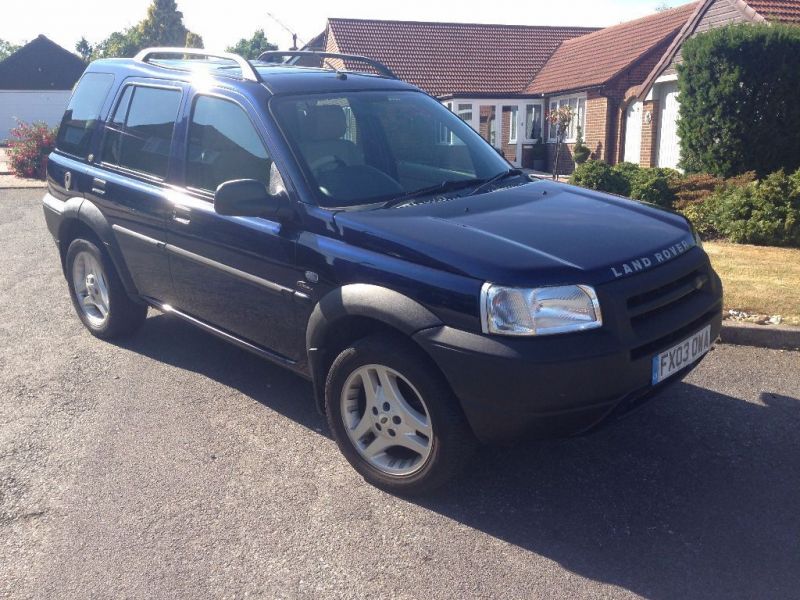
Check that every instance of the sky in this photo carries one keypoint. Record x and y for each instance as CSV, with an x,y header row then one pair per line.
x,y
222,23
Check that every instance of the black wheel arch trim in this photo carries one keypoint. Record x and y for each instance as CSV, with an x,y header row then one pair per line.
x,y
381,304
87,213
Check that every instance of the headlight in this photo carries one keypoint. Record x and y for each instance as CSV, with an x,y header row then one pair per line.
x,y
539,311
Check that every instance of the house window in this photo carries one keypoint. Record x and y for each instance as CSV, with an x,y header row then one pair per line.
x,y
464,112
513,125
533,122
578,106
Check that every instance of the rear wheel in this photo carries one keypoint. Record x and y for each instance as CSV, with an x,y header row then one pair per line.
x,y
97,293
394,417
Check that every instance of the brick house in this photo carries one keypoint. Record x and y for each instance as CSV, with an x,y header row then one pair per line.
x,y
503,79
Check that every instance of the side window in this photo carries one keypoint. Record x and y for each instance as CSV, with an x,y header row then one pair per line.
x,y
223,145
139,134
80,118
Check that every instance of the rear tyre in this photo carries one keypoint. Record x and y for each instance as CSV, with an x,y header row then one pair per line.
x,y
97,293
395,418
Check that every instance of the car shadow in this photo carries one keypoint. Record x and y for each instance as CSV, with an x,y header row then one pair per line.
x,y
169,340
695,495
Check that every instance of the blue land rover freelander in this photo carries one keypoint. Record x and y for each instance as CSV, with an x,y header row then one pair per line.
x,y
349,227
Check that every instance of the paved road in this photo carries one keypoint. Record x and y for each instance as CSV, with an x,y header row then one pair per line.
x,y
178,466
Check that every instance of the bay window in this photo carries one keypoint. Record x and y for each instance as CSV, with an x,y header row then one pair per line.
x,y
578,105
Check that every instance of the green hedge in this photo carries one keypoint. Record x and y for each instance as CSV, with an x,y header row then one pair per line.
x,y
627,179
738,90
739,209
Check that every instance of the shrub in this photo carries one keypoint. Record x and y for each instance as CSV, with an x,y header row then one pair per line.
x,y
738,87
654,185
599,175
766,212
28,148
581,152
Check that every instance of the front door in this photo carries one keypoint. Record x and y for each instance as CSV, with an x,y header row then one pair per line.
x,y
633,133
235,273
669,152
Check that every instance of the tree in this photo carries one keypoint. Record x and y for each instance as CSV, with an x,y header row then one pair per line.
x,y
84,49
193,40
738,106
7,49
560,118
162,26
253,47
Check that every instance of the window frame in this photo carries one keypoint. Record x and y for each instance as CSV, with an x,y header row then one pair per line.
x,y
207,194
112,113
565,100
534,105
513,124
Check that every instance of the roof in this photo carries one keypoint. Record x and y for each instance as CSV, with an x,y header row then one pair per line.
x,y
40,65
786,11
453,58
596,58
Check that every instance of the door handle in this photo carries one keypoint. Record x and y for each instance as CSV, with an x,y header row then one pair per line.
x,y
182,215
98,186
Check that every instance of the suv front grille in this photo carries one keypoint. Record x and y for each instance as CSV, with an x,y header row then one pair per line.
x,y
667,312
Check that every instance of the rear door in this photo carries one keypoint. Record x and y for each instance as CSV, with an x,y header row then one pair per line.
x,y
130,185
236,273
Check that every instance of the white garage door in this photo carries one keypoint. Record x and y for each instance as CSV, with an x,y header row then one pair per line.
x,y
30,106
669,152
633,133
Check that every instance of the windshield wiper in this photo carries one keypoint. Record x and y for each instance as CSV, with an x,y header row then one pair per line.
x,y
499,177
447,185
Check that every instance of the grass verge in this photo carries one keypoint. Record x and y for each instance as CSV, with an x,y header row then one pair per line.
x,y
759,279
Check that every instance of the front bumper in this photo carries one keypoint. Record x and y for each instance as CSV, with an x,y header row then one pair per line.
x,y
562,385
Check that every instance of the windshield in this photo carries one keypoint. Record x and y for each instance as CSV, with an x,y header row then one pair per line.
x,y
360,148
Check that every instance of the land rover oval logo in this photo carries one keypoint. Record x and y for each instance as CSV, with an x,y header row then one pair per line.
x,y
68,180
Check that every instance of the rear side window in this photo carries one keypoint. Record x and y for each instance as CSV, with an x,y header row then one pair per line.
x,y
139,135
223,145
80,118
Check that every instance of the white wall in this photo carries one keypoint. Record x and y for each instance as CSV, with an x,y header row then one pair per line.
x,y
31,106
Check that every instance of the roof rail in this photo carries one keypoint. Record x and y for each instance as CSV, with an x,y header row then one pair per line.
x,y
379,66
248,72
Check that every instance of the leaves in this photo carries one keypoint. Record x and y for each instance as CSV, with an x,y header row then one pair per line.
x,y
162,26
738,107
253,47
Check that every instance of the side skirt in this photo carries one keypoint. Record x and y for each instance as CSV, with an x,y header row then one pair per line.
x,y
278,359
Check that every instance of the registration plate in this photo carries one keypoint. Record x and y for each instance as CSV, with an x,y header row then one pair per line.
x,y
681,355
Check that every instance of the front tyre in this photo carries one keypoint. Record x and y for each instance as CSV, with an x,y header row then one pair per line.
x,y
395,418
97,293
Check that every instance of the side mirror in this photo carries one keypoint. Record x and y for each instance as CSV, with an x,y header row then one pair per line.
x,y
501,152
250,198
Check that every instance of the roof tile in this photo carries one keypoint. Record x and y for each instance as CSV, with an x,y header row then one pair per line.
x,y
786,11
448,58
596,58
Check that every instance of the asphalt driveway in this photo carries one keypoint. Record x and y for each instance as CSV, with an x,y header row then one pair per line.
x,y
177,466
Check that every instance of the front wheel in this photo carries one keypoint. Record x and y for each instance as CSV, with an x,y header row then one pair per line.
x,y
395,418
